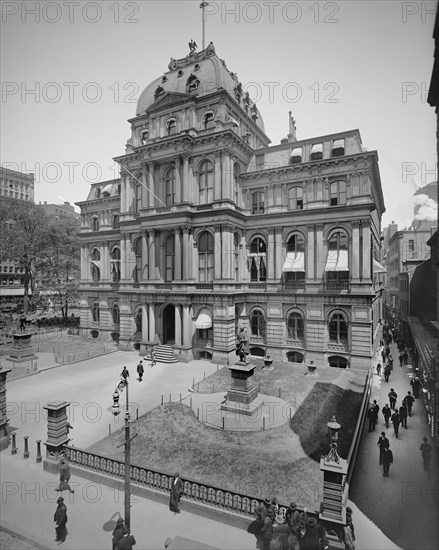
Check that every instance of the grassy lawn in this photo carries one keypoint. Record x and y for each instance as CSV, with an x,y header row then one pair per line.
x,y
282,461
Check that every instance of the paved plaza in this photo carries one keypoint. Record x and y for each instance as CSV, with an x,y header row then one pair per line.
x,y
28,492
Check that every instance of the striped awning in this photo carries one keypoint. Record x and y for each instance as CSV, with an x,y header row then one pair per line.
x,y
107,188
295,261
338,144
204,319
378,268
317,148
296,152
337,260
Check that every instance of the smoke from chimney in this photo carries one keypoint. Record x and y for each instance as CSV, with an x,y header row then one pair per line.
x,y
425,208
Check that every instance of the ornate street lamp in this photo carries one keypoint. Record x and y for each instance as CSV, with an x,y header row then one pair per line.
x,y
115,409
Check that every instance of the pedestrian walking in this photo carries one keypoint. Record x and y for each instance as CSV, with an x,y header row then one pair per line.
x,y
349,520
390,362
379,369
416,385
64,476
383,355
409,400
403,413
348,539
153,361
426,450
383,444
376,410
387,413
127,541
371,417
405,357
401,359
176,492
60,518
386,373
387,461
117,533
396,421
125,374
392,398
140,370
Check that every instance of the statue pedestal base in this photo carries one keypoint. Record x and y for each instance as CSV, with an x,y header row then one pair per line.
x,y
243,395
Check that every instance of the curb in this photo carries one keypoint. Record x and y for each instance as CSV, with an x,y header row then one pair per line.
x,y
24,535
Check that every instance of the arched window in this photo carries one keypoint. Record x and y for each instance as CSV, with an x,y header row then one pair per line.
x,y
95,224
338,328
209,120
137,272
115,265
257,323
338,193
295,326
138,321
95,265
337,262
338,362
95,311
137,199
169,258
295,198
170,187
257,260
205,257
258,202
294,357
294,267
115,313
205,182
115,224
171,126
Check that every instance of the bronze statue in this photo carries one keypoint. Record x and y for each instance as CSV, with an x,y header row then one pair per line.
x,y
242,348
192,45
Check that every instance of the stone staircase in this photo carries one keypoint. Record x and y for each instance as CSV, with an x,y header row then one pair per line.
x,y
164,354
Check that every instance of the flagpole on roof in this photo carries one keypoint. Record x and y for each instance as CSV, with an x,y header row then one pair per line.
x,y
203,21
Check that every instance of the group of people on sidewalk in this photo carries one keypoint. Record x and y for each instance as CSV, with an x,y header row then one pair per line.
x,y
140,369
391,412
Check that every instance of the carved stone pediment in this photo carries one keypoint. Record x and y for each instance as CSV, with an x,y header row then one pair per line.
x,y
167,99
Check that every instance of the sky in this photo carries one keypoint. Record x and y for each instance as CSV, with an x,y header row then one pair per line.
x,y
72,73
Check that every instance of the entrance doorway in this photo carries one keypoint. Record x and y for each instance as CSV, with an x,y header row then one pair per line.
x,y
169,324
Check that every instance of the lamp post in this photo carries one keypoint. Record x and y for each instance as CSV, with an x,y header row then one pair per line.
x,y
115,409
334,428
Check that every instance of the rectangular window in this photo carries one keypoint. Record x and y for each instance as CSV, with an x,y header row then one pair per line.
x,y
258,203
260,162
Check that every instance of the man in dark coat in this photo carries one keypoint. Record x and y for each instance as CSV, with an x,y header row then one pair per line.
x,y
387,413
371,417
387,461
127,541
403,415
426,450
409,400
383,444
392,398
386,373
405,357
125,373
118,533
416,385
395,421
64,476
176,492
292,518
140,370
60,518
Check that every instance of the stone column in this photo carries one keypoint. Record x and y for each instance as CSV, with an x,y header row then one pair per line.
x,y
152,331
123,256
320,252
242,261
365,229
355,258
187,326
177,325
178,189
151,200
270,254
226,176
177,258
279,256
217,191
57,433
151,243
310,253
145,327
191,187
4,421
144,274
186,257
185,182
217,253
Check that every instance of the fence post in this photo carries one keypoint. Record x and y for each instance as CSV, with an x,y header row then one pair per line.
x,y
223,421
263,422
280,392
198,412
180,397
39,457
26,447
162,400
14,445
109,429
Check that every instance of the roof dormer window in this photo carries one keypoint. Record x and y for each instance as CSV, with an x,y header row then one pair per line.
x,y
338,148
296,156
171,126
316,151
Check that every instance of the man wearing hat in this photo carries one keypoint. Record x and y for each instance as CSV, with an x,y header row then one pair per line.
x,y
314,533
127,541
64,476
117,533
60,518
292,518
176,492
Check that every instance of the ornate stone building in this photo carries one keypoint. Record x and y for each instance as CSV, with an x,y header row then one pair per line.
x,y
210,229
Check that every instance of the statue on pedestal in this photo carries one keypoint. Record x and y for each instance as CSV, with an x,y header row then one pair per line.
x,y
242,347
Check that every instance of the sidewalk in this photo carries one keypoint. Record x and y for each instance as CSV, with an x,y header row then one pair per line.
x,y
404,505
